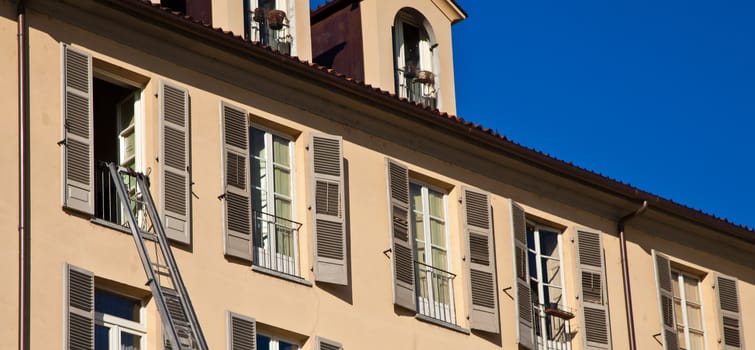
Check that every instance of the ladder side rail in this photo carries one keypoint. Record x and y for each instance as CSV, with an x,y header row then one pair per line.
x,y
162,307
143,183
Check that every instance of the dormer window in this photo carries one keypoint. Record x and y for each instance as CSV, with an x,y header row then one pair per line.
x,y
269,22
416,72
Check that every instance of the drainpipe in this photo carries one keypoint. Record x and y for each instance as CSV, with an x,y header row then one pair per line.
x,y
625,272
23,175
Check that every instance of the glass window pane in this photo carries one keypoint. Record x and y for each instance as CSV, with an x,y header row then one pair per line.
x,y
101,337
281,152
682,340
439,259
415,192
552,295
436,204
695,317
551,271
116,305
421,251
418,225
282,179
532,262
286,346
263,342
130,341
126,110
283,209
438,233
678,313
691,289
675,283
696,341
531,238
549,243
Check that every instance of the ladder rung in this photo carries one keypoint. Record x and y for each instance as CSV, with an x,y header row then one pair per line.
x,y
148,235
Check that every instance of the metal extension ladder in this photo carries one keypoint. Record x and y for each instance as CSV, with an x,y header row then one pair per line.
x,y
180,324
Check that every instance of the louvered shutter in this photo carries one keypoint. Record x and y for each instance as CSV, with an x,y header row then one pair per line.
x,y
324,344
593,299
79,308
237,205
730,324
78,148
478,231
242,332
401,236
665,301
326,152
175,158
523,297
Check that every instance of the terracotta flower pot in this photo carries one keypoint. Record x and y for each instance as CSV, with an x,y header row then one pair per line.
x,y
425,77
275,19
259,15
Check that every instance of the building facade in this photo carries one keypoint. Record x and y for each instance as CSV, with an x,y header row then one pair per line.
x,y
330,205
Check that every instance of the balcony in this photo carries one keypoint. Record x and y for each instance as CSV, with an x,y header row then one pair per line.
x,y
435,293
275,243
108,208
270,27
552,327
417,86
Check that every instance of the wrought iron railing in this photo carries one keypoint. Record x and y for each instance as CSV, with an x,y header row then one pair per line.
x,y
552,327
435,293
107,205
275,243
272,28
417,86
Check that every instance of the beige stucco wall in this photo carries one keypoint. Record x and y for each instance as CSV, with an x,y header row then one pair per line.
x,y
378,17
9,176
361,315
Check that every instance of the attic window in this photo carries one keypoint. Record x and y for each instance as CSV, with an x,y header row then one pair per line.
x,y
415,51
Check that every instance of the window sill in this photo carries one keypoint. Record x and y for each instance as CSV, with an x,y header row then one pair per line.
x,y
450,326
109,224
281,275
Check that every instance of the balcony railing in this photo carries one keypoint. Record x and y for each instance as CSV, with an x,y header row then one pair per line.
x,y
552,327
417,86
272,28
107,205
275,243
435,293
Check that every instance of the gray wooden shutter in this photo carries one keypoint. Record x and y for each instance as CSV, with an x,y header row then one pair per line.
x,y
324,344
730,321
242,332
593,299
665,301
401,236
79,308
478,232
237,205
525,332
329,229
78,148
175,158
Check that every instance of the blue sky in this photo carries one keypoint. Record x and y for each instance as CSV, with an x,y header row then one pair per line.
x,y
659,94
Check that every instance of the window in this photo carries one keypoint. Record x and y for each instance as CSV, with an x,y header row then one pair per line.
x,y
546,282
688,310
415,55
267,22
119,322
117,112
434,282
265,342
275,232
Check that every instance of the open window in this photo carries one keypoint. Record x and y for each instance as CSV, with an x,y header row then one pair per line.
x,y
270,22
415,58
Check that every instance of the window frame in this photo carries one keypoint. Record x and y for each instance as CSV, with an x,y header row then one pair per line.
x,y
538,256
275,341
415,19
119,325
682,298
269,133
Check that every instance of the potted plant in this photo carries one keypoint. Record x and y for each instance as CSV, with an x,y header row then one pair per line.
x,y
425,77
275,19
259,15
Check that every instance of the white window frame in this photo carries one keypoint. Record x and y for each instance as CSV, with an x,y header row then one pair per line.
x,y
683,302
424,303
287,5
431,63
118,325
275,341
269,174
541,284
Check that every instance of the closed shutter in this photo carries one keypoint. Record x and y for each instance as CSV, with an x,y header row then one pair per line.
x,y
237,205
175,156
592,272
665,301
324,344
730,321
478,231
79,309
401,236
242,332
328,198
523,298
78,146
